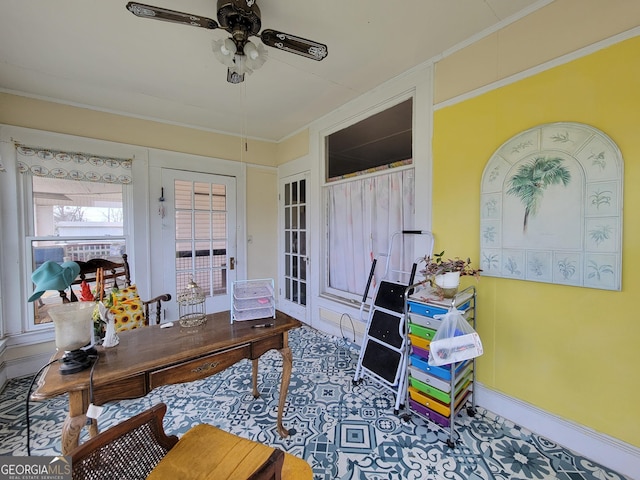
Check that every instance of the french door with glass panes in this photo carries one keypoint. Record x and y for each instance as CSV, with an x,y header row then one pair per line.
x,y
199,237
293,284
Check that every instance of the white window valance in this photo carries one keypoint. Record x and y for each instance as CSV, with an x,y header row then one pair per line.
x,y
45,162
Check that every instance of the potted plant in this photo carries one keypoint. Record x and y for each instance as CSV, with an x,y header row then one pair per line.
x,y
444,273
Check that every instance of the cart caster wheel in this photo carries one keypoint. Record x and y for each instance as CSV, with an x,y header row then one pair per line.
x,y
451,443
396,411
405,417
471,411
355,383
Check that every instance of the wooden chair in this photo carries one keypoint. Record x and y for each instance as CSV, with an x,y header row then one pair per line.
x,y
139,448
116,274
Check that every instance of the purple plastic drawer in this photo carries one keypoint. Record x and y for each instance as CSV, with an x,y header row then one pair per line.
x,y
421,352
435,417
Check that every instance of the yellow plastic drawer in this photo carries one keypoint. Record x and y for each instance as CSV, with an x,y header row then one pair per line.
x,y
419,341
436,406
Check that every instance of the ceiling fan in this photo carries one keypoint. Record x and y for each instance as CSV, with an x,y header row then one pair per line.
x,y
241,18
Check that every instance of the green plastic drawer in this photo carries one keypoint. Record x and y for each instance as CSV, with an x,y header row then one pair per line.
x,y
422,332
439,394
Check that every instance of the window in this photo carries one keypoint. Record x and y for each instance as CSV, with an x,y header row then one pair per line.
x,y
73,220
369,196
74,210
380,141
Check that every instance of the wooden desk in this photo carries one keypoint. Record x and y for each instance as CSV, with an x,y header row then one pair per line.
x,y
149,357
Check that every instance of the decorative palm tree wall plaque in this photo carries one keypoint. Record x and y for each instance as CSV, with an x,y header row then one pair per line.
x,y
533,178
551,208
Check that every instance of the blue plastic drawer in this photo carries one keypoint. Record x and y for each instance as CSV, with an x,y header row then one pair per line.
x,y
443,371
426,310
430,310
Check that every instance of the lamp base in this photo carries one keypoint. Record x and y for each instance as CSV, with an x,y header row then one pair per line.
x,y
77,360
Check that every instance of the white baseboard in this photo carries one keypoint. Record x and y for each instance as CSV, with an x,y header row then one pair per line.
x,y
3,376
344,325
24,366
598,447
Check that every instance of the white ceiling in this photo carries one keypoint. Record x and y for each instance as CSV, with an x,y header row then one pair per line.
x,y
95,53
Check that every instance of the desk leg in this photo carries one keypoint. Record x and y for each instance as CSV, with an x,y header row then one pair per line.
x,y
287,362
254,372
76,420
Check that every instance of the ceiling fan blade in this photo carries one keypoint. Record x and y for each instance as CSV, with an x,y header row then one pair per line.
x,y
157,13
291,43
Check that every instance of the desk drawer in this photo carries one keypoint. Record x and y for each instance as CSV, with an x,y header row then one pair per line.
x,y
199,368
124,389
262,346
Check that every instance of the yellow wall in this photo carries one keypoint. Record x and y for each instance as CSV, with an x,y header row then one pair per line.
x,y
262,231
569,351
559,28
293,147
55,117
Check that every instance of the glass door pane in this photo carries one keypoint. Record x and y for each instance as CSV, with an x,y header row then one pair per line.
x,y
201,236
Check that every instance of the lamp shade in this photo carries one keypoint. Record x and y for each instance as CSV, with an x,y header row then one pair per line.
x,y
73,324
255,56
228,47
224,51
251,51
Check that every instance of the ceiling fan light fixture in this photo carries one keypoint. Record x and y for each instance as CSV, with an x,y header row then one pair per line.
x,y
250,50
224,51
228,47
255,55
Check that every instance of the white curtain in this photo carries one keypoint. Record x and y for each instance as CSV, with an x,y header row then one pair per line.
x,y
363,216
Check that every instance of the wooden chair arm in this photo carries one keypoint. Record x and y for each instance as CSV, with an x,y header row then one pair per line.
x,y
134,446
158,305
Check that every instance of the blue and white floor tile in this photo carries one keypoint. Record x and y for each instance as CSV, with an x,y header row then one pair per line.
x,y
344,431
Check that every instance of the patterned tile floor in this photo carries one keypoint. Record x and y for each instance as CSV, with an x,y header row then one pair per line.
x,y
343,431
